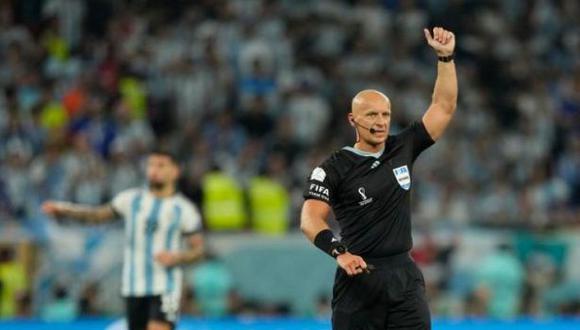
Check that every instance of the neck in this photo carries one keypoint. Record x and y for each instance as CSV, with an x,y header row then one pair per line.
x,y
361,145
166,191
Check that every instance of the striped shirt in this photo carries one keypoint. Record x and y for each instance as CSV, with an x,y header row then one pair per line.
x,y
153,225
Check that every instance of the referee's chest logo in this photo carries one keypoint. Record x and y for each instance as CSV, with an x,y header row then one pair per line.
x,y
365,200
403,176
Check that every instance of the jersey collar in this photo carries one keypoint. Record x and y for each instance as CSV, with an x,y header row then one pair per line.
x,y
364,153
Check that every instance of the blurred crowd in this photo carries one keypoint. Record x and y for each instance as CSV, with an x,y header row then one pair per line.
x,y
254,87
252,94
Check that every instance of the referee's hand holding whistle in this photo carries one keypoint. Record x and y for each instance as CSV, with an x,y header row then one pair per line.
x,y
352,264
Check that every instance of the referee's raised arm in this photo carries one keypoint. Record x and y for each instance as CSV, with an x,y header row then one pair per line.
x,y
444,101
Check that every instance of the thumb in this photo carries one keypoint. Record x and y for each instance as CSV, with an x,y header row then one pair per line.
x,y
428,35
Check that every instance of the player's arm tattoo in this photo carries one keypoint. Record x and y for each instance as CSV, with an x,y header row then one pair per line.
x,y
88,214
195,250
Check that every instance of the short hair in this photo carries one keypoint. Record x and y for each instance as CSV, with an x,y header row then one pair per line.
x,y
164,152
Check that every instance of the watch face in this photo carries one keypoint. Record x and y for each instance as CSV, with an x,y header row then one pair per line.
x,y
340,249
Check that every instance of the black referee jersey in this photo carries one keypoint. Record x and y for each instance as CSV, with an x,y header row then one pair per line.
x,y
370,192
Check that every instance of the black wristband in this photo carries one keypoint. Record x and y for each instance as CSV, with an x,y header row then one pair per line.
x,y
446,59
329,244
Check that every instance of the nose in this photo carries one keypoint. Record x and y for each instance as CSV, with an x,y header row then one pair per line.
x,y
382,122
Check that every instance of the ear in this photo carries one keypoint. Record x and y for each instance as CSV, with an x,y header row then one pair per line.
x,y
351,119
177,171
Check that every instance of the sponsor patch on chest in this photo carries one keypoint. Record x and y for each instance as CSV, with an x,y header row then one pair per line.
x,y
403,176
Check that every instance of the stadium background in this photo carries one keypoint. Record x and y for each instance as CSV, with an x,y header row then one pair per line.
x,y
251,95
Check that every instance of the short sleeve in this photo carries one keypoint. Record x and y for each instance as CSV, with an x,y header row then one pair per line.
x,y
321,184
417,135
190,219
121,203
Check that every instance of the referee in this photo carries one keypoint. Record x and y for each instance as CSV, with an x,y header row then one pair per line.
x,y
156,217
368,188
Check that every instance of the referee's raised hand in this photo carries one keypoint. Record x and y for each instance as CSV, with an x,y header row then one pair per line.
x,y
352,264
442,41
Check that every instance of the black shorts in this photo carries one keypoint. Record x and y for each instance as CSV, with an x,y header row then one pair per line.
x,y
392,296
141,310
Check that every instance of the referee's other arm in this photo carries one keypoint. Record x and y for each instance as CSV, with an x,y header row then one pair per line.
x,y
313,221
444,100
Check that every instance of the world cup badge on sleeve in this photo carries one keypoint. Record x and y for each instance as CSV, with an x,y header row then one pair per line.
x,y
318,174
403,176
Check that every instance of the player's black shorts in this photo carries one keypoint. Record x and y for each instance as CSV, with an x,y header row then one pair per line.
x,y
392,296
141,310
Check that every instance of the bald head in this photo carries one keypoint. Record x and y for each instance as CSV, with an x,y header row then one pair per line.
x,y
371,117
369,99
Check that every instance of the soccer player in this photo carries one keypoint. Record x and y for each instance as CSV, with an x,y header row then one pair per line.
x,y
155,217
368,187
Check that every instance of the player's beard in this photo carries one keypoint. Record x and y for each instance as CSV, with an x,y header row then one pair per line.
x,y
157,186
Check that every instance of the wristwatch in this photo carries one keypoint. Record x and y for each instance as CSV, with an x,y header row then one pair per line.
x,y
446,59
338,249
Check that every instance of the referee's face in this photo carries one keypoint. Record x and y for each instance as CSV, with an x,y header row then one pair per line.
x,y
161,171
371,113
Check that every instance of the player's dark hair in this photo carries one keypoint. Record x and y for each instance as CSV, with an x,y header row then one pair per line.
x,y
164,152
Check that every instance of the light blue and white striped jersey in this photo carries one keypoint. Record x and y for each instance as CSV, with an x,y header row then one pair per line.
x,y
153,225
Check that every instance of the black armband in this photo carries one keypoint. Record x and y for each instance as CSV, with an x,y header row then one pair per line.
x,y
329,244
